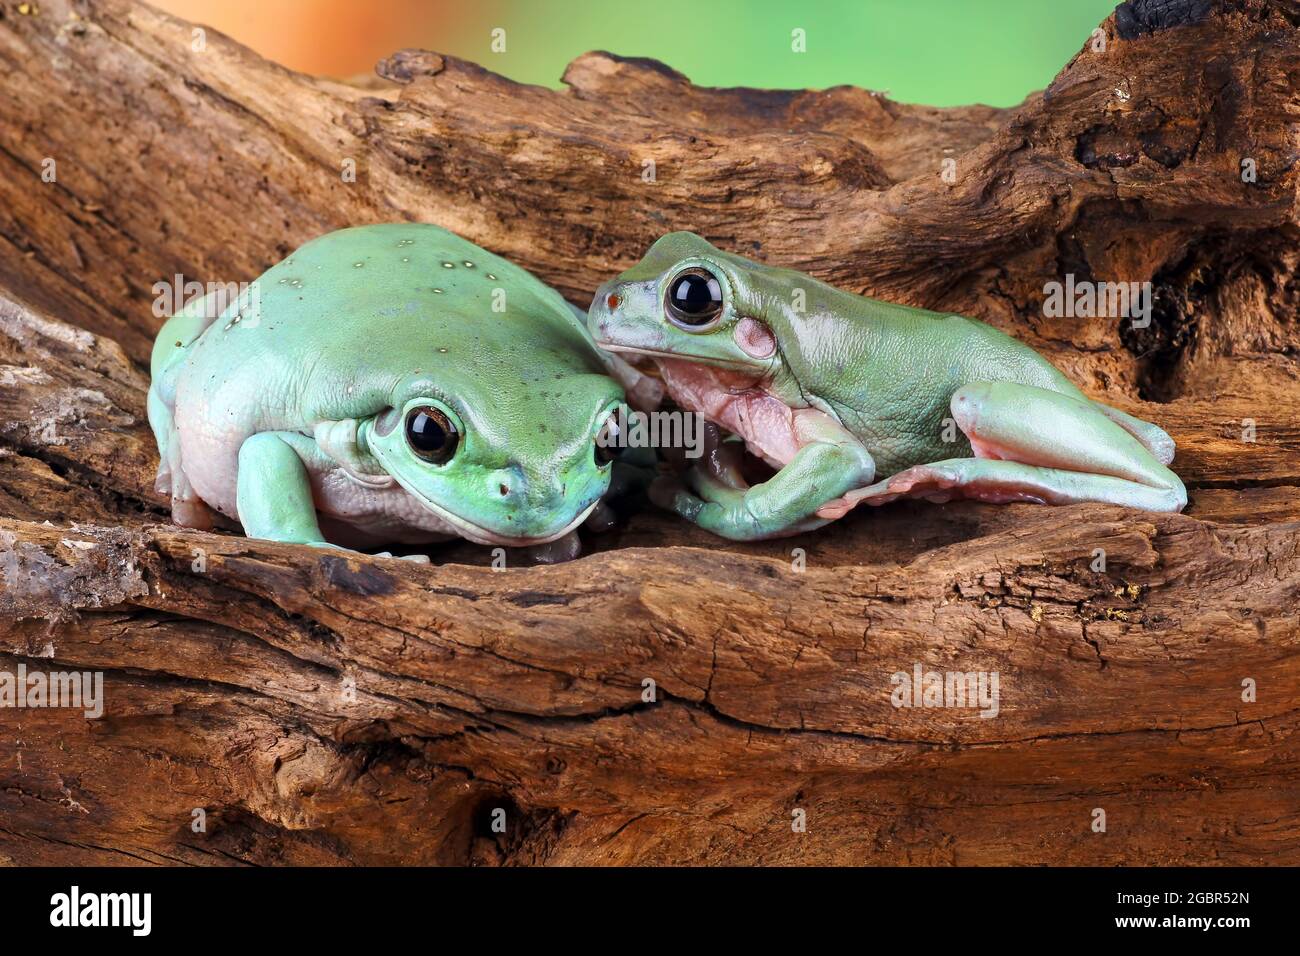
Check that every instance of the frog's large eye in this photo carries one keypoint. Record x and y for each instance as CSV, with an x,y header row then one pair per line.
x,y
694,300
431,434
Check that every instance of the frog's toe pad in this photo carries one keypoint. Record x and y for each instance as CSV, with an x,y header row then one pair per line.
x,y
192,513
602,518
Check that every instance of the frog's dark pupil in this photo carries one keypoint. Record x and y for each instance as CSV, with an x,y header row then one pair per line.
x,y
426,434
696,297
431,434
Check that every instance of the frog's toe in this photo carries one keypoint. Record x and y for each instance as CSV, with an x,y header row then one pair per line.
x,y
602,518
414,558
193,513
923,478
931,482
712,487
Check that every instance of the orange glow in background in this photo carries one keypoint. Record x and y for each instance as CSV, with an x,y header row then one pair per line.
x,y
323,37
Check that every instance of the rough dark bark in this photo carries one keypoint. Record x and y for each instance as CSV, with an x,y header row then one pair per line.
x,y
229,662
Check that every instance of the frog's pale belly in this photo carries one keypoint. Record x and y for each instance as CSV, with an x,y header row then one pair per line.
x,y
210,452
771,429
766,424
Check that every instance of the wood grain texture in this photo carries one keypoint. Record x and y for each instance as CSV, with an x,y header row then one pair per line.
x,y
326,708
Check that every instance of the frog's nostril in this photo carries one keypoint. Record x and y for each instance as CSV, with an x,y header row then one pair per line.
x,y
612,300
504,489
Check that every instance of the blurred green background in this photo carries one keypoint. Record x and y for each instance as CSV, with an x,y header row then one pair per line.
x,y
940,52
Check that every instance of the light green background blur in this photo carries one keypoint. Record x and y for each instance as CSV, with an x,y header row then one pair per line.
x,y
939,52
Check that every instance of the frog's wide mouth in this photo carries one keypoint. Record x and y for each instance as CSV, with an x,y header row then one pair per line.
x,y
477,533
481,535
679,356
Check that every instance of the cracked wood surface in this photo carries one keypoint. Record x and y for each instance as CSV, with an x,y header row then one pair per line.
x,y
328,708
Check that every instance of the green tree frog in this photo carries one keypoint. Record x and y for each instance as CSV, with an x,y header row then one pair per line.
x,y
386,384
856,400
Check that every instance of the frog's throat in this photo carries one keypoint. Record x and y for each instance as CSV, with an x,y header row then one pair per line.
x,y
768,424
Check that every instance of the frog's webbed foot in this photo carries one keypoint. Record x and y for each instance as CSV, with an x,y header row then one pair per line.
x,y
1032,444
785,504
188,509
1155,439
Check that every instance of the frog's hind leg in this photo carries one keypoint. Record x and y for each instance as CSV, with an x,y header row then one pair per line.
x,y
176,335
1032,444
1156,439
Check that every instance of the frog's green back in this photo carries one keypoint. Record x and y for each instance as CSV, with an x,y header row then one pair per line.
x,y
885,370
338,292
354,313
888,370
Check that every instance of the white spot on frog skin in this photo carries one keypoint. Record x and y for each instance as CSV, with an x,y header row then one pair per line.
x,y
468,264
490,275
437,291
406,242
406,258
357,265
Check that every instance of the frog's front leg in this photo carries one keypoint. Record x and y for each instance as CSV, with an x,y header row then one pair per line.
x,y
1032,444
821,472
273,494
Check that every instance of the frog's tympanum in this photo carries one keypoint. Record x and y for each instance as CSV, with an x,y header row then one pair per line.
x,y
856,400
385,384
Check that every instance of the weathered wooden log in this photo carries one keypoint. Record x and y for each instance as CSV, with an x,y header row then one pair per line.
x,y
671,697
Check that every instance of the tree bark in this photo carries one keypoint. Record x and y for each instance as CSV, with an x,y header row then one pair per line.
x,y
328,708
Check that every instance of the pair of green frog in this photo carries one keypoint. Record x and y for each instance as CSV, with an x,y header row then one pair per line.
x,y
398,384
